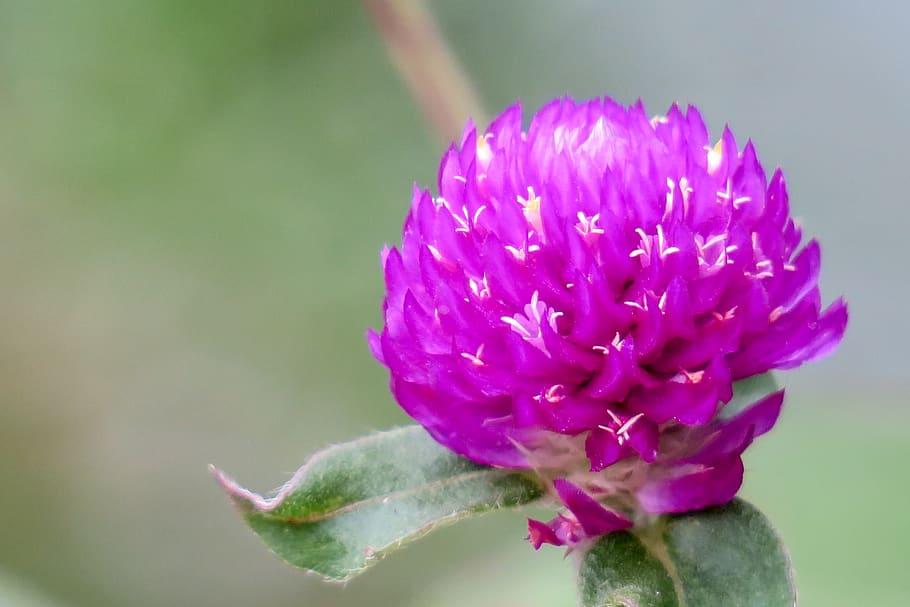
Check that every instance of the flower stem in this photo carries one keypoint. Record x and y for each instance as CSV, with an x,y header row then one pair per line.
x,y
428,66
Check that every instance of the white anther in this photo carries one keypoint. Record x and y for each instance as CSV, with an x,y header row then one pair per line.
x,y
435,252
475,359
588,225
665,251
714,240
624,429
554,393
726,315
775,314
516,326
727,194
517,253
552,318
462,221
634,304
479,289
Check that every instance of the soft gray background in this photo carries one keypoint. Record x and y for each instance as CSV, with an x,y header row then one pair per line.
x,y
192,198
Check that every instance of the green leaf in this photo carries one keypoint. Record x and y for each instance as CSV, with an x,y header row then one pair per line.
x,y
748,391
354,503
722,557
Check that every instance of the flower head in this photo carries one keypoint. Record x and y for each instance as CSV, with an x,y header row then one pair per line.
x,y
579,298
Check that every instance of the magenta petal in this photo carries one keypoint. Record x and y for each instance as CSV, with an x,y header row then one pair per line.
x,y
602,449
736,433
692,487
540,533
644,439
593,517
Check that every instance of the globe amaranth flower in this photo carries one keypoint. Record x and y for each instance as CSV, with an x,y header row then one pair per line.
x,y
579,298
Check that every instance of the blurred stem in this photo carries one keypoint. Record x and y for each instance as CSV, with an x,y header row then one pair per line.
x,y
427,64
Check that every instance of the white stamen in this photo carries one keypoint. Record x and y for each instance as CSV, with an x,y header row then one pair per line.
x,y
624,429
535,309
475,358
480,290
554,393
588,225
461,221
645,239
460,178
530,207
554,316
775,314
477,213
714,240
516,326
519,254
727,194
686,192
668,206
726,315
662,244
435,252
635,304
617,341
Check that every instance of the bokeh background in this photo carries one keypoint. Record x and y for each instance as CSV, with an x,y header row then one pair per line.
x,y
192,200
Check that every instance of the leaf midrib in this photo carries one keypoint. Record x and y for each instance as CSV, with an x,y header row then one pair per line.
x,y
398,495
652,538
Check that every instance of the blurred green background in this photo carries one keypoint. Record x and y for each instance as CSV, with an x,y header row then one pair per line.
x,y
192,199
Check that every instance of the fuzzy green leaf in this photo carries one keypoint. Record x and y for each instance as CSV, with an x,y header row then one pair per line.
x,y
354,503
722,557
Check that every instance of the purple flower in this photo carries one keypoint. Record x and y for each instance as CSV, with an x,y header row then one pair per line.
x,y
580,297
